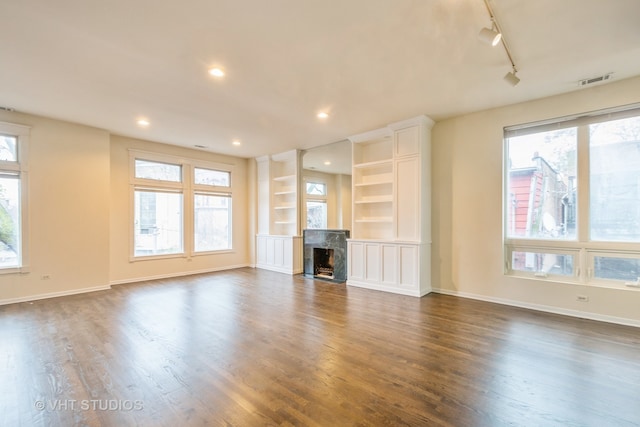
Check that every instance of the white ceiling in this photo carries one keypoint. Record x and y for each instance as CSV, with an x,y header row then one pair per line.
x,y
367,62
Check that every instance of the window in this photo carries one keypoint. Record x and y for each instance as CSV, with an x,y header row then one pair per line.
x,y
572,198
13,200
212,177
158,220
212,210
316,205
316,189
614,190
180,209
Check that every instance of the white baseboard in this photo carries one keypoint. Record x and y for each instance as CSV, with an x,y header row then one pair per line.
x,y
544,308
390,289
284,270
54,295
178,274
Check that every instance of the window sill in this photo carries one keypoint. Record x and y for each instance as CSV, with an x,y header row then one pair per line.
x,y
14,270
620,286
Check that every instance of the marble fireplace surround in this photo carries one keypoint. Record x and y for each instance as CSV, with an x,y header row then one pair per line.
x,y
326,239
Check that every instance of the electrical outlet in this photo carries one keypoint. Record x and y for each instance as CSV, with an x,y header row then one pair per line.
x,y
582,298
45,277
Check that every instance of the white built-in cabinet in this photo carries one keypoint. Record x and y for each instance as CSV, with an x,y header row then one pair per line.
x,y
279,240
390,247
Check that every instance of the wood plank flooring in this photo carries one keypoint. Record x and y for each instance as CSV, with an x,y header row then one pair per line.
x,y
255,348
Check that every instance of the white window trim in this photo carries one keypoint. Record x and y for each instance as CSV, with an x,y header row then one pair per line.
x,y
187,188
315,197
22,133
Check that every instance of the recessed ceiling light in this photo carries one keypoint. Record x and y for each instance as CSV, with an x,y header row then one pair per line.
x,y
323,115
235,142
327,163
143,123
216,72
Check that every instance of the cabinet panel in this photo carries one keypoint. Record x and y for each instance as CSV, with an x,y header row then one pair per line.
x,y
372,263
356,260
262,250
279,253
408,265
407,141
408,199
389,264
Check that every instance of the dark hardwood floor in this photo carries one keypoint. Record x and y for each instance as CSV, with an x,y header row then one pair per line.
x,y
252,348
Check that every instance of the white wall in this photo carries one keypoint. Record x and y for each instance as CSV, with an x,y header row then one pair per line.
x,y
467,255
123,270
68,207
79,212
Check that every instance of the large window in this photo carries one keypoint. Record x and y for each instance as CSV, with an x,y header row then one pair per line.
x,y
13,200
180,208
572,198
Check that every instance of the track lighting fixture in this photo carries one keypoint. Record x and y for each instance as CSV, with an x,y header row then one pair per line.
x,y
494,36
490,35
511,77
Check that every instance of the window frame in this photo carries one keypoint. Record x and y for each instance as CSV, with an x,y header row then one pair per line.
x,y
188,189
20,168
322,198
582,246
212,190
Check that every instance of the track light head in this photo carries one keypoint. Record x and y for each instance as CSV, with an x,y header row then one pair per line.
x,y
490,35
511,78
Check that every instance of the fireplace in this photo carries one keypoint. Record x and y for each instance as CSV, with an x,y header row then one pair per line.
x,y
325,254
323,263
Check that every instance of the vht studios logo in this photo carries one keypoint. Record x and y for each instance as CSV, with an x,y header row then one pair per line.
x,y
89,405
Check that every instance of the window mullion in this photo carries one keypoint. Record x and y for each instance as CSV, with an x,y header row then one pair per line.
x,y
583,186
188,217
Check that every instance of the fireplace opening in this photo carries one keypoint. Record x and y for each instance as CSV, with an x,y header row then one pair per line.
x,y
323,263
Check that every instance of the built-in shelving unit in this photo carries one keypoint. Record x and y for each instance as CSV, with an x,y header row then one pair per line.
x,y
284,185
390,245
279,243
372,178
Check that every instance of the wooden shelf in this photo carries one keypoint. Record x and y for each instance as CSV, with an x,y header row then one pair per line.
x,y
381,199
376,163
282,193
284,207
383,219
284,178
368,184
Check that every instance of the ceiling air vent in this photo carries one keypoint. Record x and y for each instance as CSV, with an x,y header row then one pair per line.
x,y
6,108
593,80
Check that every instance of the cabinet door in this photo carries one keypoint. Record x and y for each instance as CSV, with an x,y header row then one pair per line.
x,y
355,265
372,262
408,199
389,264
407,141
409,266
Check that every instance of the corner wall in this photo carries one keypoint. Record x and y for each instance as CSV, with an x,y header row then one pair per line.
x,y
467,258
68,210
